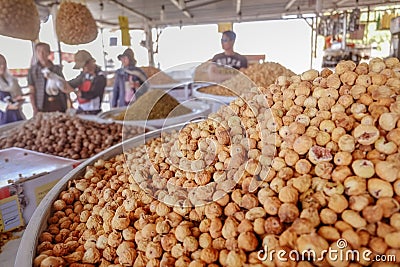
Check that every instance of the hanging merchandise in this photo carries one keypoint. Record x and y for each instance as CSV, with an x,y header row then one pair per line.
x,y
224,26
75,24
19,19
124,26
378,22
354,21
322,28
386,18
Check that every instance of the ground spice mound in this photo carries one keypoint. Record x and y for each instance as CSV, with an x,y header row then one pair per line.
x,y
155,104
159,77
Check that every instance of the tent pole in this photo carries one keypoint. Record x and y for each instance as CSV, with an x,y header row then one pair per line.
x,y
54,15
149,44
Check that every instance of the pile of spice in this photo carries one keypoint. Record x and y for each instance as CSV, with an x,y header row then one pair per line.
x,y
150,71
158,77
153,105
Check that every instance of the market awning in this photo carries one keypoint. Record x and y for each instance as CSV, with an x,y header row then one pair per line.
x,y
189,12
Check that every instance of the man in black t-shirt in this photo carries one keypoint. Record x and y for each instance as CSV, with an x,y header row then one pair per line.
x,y
228,58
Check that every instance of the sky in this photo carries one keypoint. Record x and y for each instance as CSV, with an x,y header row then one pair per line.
x,y
287,42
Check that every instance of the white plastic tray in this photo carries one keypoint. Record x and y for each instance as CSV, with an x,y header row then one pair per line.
x,y
22,163
199,110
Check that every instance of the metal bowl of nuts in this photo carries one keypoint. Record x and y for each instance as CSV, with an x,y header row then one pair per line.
x,y
39,221
309,164
67,136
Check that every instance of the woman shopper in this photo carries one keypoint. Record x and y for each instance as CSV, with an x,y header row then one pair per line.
x,y
128,80
10,95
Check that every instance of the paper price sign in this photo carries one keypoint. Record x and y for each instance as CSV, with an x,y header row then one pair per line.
x,y
224,26
124,26
10,214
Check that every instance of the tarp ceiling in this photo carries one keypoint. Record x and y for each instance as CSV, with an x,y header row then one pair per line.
x,y
188,12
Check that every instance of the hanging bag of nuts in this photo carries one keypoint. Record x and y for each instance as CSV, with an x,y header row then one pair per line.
x,y
19,19
75,24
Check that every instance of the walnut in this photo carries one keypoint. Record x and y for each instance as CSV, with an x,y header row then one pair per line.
x,y
288,194
91,255
60,250
149,231
302,144
190,243
288,212
52,261
379,188
59,205
337,203
235,259
230,228
366,134
126,253
153,250
168,242
182,231
114,239
74,257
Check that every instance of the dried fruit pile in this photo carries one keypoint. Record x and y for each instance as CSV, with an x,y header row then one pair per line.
x,y
66,136
321,164
75,24
19,19
261,75
201,73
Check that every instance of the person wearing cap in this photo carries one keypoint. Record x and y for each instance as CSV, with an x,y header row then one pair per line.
x,y
89,84
38,76
129,81
228,59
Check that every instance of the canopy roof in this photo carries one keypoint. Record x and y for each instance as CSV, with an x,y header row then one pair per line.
x,y
189,12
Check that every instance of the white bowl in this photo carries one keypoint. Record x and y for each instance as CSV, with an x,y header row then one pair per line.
x,y
215,101
199,110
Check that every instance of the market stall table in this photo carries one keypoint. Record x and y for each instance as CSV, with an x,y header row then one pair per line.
x,y
9,251
37,173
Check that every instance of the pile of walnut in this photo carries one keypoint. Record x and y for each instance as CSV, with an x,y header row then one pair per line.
x,y
321,164
66,136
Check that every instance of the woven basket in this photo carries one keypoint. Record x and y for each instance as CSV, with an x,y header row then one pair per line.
x,y
75,24
19,19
